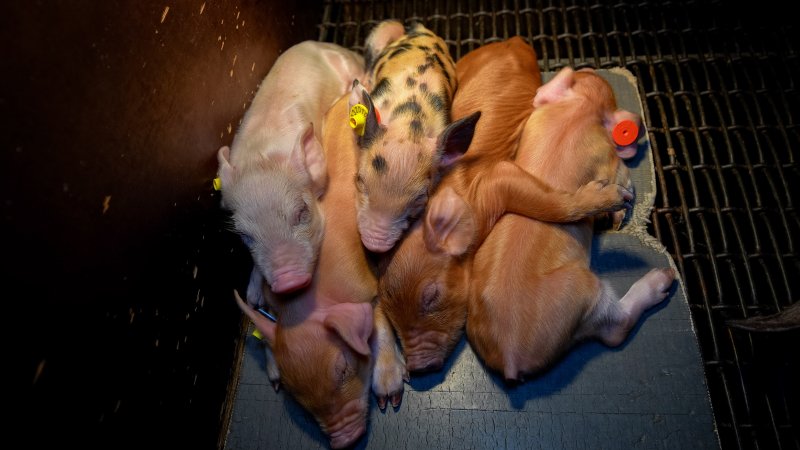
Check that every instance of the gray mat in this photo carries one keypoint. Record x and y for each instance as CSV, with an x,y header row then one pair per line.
x,y
648,393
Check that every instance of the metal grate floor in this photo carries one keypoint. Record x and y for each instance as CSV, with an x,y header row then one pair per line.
x,y
721,105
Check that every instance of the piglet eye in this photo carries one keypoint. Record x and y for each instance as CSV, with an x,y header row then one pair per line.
x,y
430,296
421,199
303,215
418,204
360,183
344,369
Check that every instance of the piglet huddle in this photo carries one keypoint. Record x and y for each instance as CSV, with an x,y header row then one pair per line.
x,y
373,198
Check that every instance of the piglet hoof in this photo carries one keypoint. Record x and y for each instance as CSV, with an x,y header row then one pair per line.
x,y
617,218
388,376
395,398
273,374
388,391
647,292
601,196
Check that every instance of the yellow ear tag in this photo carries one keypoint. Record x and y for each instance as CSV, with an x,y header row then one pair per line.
x,y
258,334
217,184
358,118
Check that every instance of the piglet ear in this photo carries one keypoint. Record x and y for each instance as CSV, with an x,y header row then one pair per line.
x,y
356,93
455,139
379,38
626,129
555,89
264,325
308,157
372,124
226,171
353,323
449,224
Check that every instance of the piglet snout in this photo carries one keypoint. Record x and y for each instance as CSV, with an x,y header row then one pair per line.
x,y
347,436
424,363
349,424
425,351
289,282
291,268
379,235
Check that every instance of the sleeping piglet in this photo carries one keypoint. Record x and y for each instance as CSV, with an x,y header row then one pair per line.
x,y
423,286
406,141
323,340
533,298
274,172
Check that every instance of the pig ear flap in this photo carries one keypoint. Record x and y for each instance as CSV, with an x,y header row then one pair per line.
x,y
226,172
356,93
379,38
626,130
308,157
264,325
456,138
555,89
449,224
353,323
372,124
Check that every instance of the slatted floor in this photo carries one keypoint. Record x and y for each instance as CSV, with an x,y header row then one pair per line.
x,y
718,84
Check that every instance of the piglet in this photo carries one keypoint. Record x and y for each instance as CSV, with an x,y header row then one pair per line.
x,y
532,298
274,172
407,138
423,286
323,340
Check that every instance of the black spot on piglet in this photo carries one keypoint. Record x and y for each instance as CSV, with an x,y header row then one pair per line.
x,y
379,164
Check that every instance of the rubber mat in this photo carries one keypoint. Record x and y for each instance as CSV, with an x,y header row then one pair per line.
x,y
650,392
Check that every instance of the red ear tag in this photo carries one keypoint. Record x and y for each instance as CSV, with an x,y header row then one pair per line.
x,y
377,115
625,133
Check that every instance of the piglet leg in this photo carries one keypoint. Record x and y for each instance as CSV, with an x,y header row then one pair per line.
x,y
273,374
390,366
264,326
611,320
509,188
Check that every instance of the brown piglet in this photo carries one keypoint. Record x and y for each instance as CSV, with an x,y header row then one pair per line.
x,y
533,294
323,340
423,285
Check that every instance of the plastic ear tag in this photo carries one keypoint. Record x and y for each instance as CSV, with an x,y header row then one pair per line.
x,y
625,133
217,183
269,316
266,314
358,118
258,335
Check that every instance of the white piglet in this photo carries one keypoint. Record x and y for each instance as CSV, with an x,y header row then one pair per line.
x,y
274,172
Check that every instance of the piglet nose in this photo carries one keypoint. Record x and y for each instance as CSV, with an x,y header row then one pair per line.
x,y
378,236
424,364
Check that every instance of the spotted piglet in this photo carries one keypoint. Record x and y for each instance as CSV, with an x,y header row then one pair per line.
x,y
407,138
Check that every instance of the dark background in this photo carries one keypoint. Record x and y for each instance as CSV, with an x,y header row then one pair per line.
x,y
125,314
117,265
